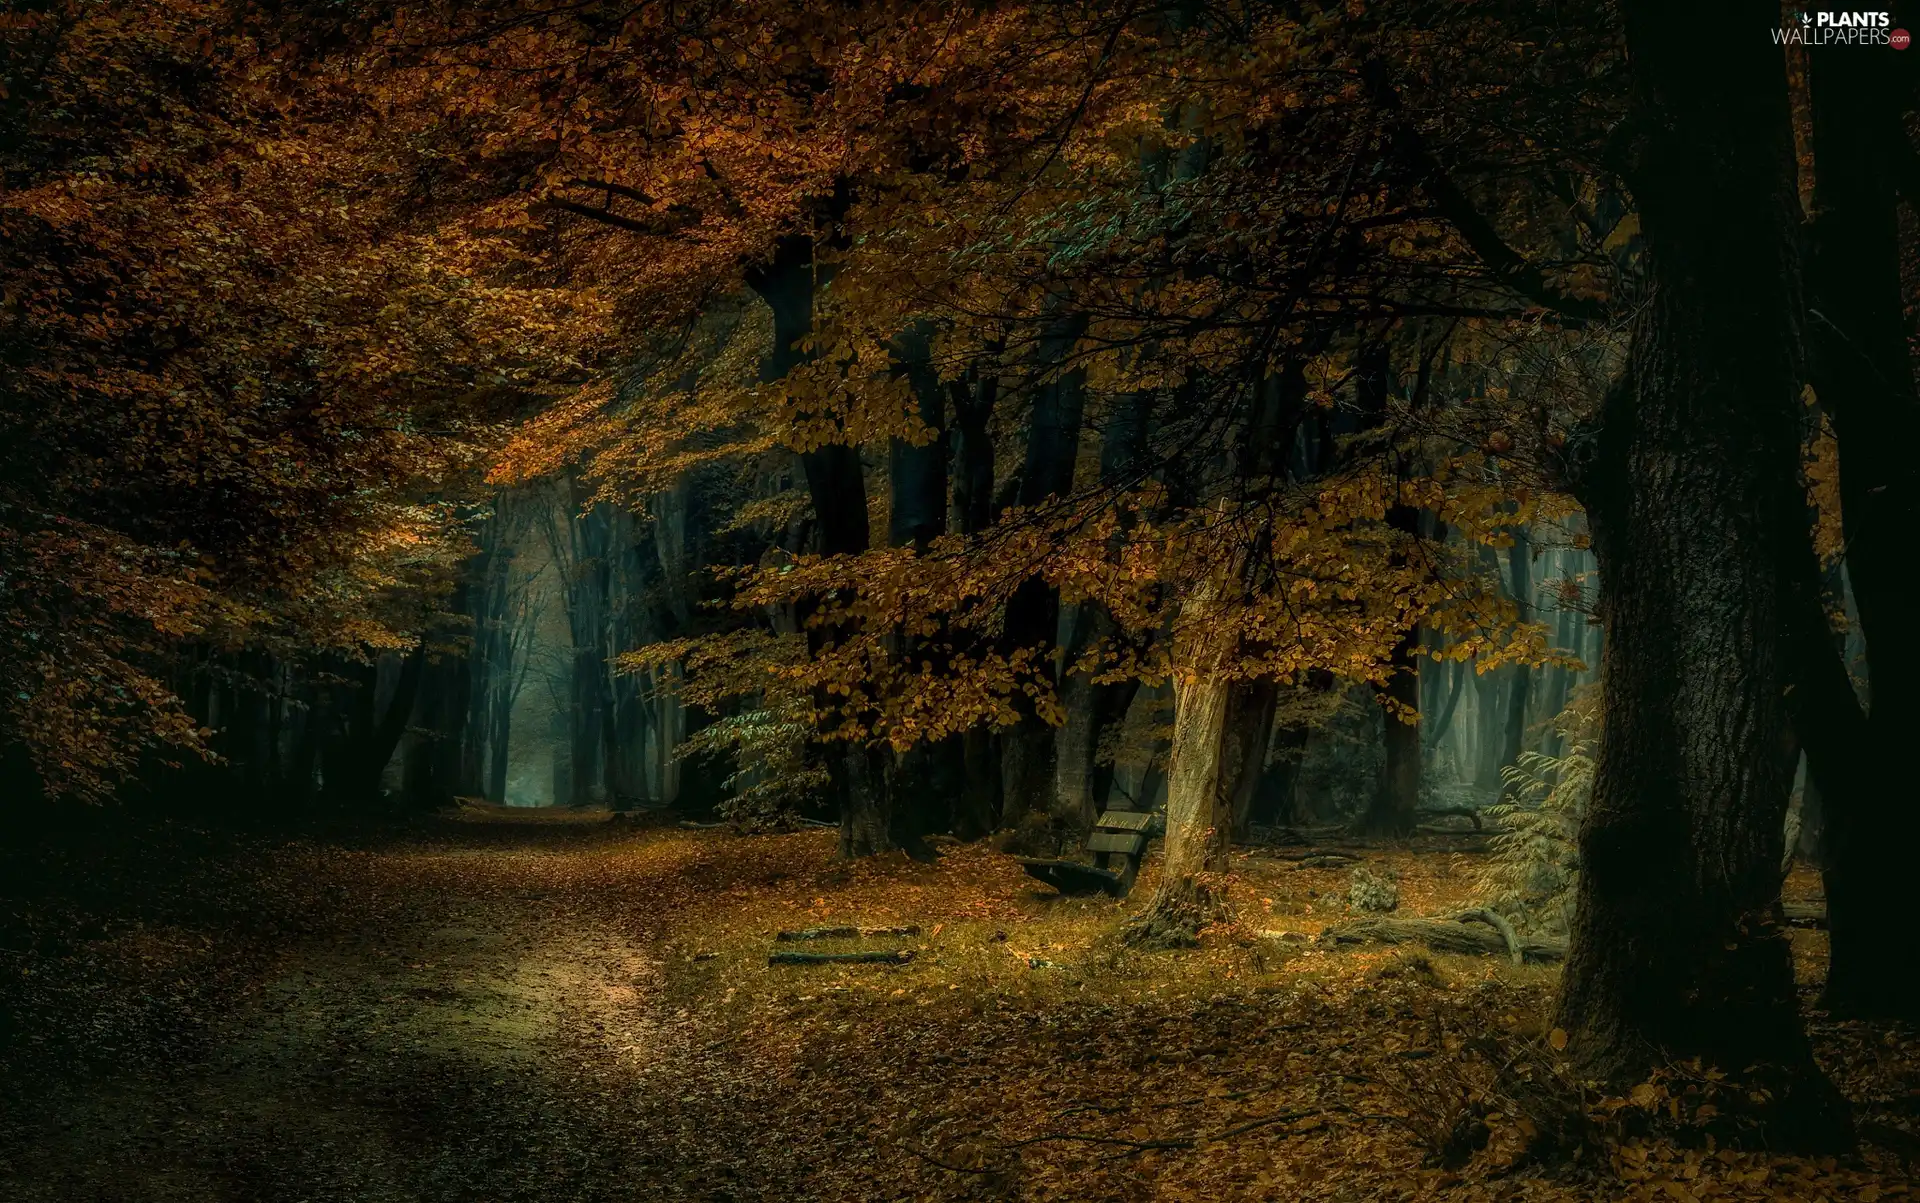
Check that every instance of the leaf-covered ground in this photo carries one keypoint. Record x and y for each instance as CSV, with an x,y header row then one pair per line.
x,y
558,1007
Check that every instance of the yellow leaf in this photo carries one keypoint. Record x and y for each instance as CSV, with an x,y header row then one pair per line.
x,y
1558,1039
1628,227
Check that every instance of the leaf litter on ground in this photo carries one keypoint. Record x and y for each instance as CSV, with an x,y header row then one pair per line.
x,y
553,1006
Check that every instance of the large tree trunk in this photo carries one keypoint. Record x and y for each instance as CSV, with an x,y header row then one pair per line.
x,y
1677,951
1396,799
629,625
1192,890
1560,688
1487,727
579,536
303,766
1864,378
917,472
977,806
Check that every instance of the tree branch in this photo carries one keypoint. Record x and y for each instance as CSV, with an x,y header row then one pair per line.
x,y
612,189
671,225
1508,266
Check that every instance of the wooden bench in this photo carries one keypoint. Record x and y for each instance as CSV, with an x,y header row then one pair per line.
x,y
1121,833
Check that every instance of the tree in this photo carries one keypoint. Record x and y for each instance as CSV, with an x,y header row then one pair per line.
x,y
1692,494
221,418
1862,373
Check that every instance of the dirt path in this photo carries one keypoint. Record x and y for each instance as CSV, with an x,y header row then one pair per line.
x,y
490,1008
470,1021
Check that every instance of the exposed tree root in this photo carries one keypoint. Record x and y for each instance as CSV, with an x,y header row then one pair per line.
x,y
1179,912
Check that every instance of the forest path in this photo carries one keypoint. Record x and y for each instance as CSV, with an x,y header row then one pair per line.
x,y
495,1007
473,1015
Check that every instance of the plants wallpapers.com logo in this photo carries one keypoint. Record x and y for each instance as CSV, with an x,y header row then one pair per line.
x,y
1856,28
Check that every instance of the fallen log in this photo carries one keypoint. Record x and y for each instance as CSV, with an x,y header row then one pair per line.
x,y
843,933
1323,860
1467,936
1451,812
897,956
1493,919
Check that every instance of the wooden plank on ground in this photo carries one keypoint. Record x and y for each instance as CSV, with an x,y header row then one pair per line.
x,y
845,933
898,956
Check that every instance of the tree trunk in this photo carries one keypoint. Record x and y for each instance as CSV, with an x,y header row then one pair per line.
x,y
1396,797
1273,797
433,756
1077,742
866,815
1692,491
977,806
1520,685
1249,726
1192,889
359,746
836,485
916,516
1864,378
1456,674
917,473
1396,800
304,765
1566,639
1083,784
1487,727
1033,613
499,739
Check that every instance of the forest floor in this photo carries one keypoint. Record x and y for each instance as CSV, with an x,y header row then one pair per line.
x,y
499,1006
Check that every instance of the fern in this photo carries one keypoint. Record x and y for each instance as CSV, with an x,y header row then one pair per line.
x,y
1535,864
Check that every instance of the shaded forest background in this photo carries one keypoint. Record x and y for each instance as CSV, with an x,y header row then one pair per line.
x,y
959,422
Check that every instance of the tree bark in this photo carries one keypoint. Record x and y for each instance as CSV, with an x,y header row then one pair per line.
x,y
1033,613
1692,490
921,778
1249,727
836,485
1560,688
1863,375
1192,890
977,806
1083,784
1520,683
1396,797
917,473
1456,675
